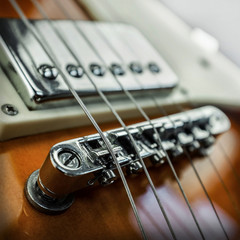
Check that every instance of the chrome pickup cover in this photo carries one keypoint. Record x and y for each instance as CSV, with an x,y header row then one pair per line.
x,y
112,53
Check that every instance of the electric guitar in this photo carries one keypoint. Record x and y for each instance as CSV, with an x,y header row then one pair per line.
x,y
116,122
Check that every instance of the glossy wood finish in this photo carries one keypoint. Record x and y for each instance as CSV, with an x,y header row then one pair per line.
x,y
105,213
77,12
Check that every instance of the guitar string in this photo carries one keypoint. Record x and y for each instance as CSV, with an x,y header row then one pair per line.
x,y
125,91
142,88
188,157
190,160
41,10
146,117
111,9
217,172
227,158
51,56
198,176
184,92
235,173
221,224
220,178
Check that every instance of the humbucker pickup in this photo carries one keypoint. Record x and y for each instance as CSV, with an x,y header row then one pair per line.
x,y
102,52
83,162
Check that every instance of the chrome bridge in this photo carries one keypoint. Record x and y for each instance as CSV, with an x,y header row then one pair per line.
x,y
101,52
83,162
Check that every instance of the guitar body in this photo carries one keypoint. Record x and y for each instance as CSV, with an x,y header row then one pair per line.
x,y
105,212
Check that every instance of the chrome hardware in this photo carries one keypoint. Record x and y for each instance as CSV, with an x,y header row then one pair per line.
x,y
78,163
44,202
97,70
154,68
41,86
134,167
75,71
9,109
48,72
117,70
159,157
204,138
176,151
69,159
107,177
136,68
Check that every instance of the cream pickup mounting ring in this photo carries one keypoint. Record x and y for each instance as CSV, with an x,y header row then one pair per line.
x,y
83,162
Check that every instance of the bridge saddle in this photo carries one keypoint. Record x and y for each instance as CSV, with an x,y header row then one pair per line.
x,y
83,162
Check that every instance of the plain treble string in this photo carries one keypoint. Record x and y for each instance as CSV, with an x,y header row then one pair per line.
x,y
184,92
160,144
52,57
227,158
117,117
160,107
197,174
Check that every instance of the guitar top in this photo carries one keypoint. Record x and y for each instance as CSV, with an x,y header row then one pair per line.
x,y
106,125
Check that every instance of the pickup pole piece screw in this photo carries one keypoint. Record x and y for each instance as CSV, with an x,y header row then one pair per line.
x,y
75,71
9,109
136,68
117,70
48,72
154,68
97,70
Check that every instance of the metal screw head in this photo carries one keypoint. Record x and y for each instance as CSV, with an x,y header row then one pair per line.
x,y
69,159
75,71
48,72
9,109
107,177
97,70
158,158
134,168
154,68
117,70
136,68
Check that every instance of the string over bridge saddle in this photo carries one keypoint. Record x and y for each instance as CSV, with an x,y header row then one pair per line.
x,y
83,162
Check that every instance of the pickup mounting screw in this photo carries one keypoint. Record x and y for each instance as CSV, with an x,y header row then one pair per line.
x,y
9,109
69,159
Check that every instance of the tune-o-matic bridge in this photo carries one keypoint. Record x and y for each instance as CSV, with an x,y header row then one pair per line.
x,y
102,52
86,161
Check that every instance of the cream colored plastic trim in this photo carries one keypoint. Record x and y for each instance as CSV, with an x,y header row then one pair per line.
x,y
28,122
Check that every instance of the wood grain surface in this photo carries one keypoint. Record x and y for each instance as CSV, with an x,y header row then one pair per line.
x,y
104,212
